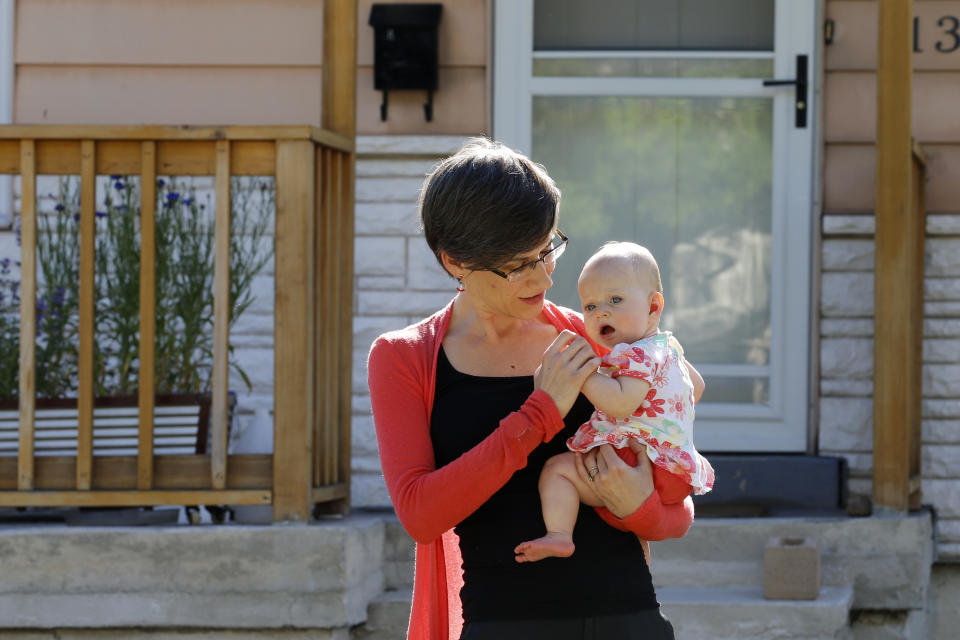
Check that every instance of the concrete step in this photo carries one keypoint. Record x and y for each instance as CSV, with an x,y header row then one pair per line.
x,y
742,613
739,613
398,555
387,617
888,559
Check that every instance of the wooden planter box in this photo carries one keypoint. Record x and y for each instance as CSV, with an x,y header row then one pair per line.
x,y
181,425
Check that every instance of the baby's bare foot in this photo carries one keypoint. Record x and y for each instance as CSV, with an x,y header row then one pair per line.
x,y
552,545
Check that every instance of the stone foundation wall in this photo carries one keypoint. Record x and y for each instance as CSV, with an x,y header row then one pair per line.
x,y
846,363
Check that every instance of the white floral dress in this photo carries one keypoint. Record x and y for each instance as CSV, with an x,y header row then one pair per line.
x,y
664,420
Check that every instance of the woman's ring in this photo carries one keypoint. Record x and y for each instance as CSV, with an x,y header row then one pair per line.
x,y
593,472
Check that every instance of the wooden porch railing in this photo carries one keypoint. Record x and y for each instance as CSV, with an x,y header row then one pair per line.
x,y
310,464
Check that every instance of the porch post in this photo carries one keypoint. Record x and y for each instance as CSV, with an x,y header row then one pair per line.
x,y
898,287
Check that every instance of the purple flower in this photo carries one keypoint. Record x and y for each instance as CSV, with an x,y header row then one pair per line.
x,y
173,196
116,177
118,185
59,207
58,296
101,214
4,264
161,183
188,201
16,228
76,217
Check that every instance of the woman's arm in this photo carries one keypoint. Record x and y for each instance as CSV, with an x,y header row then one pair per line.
x,y
428,500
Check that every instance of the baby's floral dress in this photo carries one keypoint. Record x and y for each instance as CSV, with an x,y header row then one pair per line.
x,y
663,421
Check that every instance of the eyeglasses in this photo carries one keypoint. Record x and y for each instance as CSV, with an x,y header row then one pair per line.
x,y
547,257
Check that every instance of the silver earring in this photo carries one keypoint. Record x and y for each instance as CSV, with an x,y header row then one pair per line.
x,y
459,284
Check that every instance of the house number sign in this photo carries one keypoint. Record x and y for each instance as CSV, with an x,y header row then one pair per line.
x,y
946,40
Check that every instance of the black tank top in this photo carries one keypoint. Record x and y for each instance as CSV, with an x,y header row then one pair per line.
x,y
606,575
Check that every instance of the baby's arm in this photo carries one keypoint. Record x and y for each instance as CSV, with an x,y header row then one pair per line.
x,y
698,384
617,397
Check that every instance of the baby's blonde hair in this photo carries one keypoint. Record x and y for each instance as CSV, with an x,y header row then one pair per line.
x,y
640,257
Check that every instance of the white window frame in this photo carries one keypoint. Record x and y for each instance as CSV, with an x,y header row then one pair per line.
x,y
781,426
7,17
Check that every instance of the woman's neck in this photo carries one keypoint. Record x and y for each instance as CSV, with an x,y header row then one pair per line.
x,y
482,324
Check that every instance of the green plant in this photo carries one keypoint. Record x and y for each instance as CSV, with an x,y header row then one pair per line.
x,y
184,230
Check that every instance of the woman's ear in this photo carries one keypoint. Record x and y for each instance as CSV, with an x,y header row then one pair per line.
x,y
454,267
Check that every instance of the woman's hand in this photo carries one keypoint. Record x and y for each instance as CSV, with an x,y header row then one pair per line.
x,y
622,489
565,366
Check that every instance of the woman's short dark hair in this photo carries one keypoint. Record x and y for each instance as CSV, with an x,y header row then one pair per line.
x,y
487,204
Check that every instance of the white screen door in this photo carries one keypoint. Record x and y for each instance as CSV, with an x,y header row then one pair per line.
x,y
655,121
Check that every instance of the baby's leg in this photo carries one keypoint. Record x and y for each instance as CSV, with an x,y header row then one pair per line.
x,y
561,492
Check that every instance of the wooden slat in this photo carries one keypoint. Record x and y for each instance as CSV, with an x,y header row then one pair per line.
x,y
331,189
58,157
9,156
122,157
156,132
293,317
177,471
221,317
62,157
186,158
86,328
319,363
131,498
339,96
28,312
345,307
253,158
148,313
327,493
897,282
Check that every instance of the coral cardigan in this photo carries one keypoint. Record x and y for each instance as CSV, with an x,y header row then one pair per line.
x,y
429,501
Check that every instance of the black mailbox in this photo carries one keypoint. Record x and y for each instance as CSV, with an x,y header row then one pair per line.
x,y
405,50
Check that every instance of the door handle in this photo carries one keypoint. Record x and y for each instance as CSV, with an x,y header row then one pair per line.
x,y
800,82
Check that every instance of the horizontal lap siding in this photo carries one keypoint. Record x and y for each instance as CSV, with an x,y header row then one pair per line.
x,y
849,166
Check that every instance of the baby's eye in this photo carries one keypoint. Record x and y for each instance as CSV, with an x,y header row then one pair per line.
x,y
589,307
616,299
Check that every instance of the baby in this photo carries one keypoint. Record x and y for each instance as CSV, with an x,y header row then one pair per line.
x,y
645,391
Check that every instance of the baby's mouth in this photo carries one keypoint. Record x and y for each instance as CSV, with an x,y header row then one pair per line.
x,y
606,330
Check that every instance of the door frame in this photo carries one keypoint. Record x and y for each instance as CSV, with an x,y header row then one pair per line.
x,y
784,425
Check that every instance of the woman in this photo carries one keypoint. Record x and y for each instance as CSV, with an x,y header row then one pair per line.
x,y
469,404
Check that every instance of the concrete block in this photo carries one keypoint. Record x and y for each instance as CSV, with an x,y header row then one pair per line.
x,y
381,283
941,431
436,146
849,225
425,273
847,255
846,327
379,256
941,380
941,309
844,388
394,303
301,576
944,495
942,257
941,350
887,560
367,328
791,568
945,594
742,613
941,408
393,168
941,289
846,358
941,328
941,461
846,424
386,218
847,294
406,190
